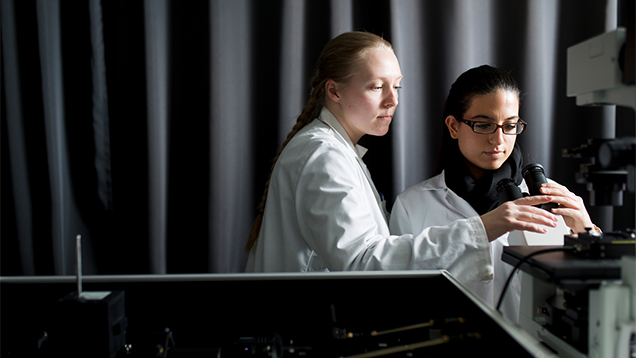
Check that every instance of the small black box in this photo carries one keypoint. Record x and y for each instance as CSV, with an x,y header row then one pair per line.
x,y
93,325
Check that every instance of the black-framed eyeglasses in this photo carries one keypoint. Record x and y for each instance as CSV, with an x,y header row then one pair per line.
x,y
513,128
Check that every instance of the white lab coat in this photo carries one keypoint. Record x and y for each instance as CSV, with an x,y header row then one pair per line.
x,y
323,213
432,203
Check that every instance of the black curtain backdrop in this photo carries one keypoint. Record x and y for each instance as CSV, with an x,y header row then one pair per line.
x,y
148,127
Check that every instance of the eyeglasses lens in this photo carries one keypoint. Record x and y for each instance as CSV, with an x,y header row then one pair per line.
x,y
488,128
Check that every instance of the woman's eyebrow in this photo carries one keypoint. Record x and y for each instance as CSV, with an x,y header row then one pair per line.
x,y
492,119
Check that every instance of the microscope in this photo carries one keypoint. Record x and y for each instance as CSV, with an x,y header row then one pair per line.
x,y
579,298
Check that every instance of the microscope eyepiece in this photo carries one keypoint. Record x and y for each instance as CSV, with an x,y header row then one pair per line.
x,y
534,176
508,190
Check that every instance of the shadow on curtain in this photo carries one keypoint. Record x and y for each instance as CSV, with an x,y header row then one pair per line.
x,y
149,127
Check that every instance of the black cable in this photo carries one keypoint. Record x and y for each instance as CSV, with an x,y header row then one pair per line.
x,y
514,270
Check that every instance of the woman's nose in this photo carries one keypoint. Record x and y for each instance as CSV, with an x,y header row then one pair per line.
x,y
498,137
392,98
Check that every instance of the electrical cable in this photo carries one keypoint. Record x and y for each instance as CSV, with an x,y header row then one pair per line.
x,y
514,270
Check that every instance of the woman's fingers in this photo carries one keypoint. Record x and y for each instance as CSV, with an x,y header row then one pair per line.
x,y
571,206
520,214
558,191
554,188
530,216
534,200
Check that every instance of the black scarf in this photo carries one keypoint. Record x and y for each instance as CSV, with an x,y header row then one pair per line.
x,y
481,194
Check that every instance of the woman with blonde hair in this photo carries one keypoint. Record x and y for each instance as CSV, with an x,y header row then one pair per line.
x,y
320,210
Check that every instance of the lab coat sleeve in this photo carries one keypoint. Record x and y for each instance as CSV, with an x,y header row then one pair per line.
x,y
338,217
460,247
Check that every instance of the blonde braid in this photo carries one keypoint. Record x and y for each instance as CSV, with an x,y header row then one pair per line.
x,y
305,117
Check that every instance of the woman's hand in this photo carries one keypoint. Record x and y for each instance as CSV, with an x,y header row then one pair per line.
x,y
571,207
519,214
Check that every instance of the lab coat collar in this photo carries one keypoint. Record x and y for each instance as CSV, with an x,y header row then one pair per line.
x,y
327,117
435,183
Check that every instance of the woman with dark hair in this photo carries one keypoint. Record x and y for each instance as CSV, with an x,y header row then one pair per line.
x,y
481,116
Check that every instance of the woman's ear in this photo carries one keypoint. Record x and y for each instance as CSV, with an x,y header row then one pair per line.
x,y
452,125
331,88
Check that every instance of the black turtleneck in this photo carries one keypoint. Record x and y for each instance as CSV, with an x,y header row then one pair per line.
x,y
481,194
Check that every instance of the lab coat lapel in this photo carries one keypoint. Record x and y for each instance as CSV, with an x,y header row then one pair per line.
x,y
368,175
460,205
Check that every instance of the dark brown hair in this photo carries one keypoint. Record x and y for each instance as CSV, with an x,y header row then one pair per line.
x,y
477,81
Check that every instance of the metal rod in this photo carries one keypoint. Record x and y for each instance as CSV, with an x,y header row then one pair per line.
x,y
406,328
78,264
404,348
